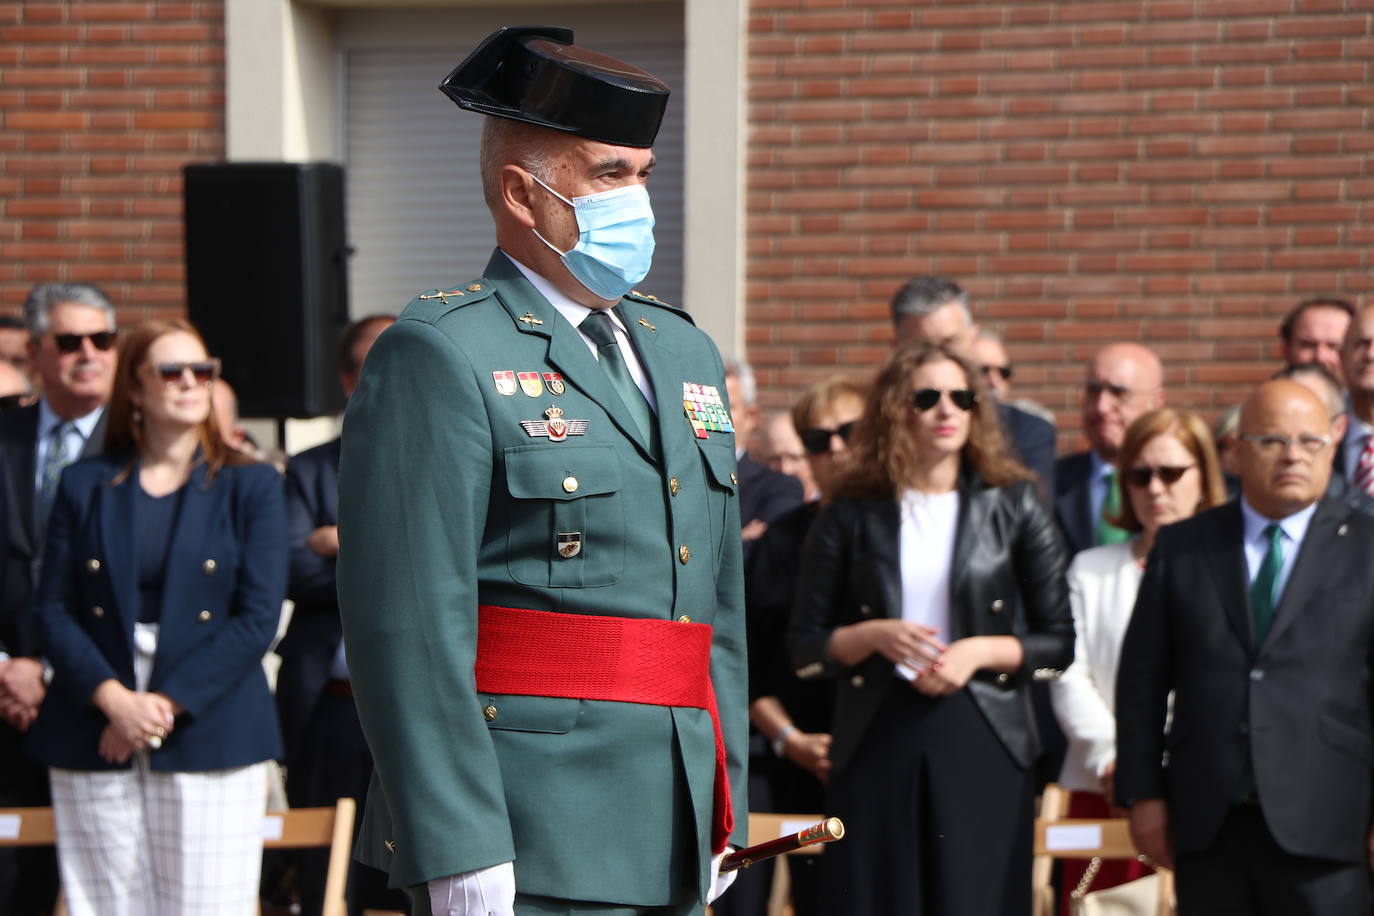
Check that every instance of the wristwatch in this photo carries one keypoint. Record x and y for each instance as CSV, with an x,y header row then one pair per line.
x,y
780,741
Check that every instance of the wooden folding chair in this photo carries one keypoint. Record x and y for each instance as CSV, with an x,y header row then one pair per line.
x,y
308,828
1059,837
30,827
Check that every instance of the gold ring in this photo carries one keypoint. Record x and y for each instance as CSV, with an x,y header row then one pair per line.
x,y
161,732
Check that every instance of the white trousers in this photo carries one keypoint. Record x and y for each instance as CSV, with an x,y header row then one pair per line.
x,y
140,843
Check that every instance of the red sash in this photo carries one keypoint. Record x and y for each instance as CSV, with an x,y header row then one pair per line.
x,y
658,662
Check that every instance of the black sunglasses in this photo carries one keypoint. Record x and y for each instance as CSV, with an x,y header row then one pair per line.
x,y
1140,477
70,343
926,398
816,441
1004,371
204,371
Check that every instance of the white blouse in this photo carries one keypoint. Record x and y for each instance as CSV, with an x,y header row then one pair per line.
x,y
1103,582
927,547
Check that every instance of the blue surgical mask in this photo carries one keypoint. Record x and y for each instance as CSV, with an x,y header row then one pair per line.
x,y
615,239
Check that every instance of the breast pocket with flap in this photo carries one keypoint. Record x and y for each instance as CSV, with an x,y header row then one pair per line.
x,y
567,516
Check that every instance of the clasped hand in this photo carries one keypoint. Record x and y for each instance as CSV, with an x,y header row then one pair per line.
x,y
21,691
137,719
940,668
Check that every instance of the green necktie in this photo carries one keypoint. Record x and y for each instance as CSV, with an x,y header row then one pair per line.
x,y
1262,611
1265,584
597,327
1107,533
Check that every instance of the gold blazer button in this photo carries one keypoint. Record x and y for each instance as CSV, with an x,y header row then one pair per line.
x,y
684,554
673,485
93,565
997,605
209,567
98,611
204,616
489,713
684,619
569,484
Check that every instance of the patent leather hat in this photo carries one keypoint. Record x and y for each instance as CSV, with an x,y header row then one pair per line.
x,y
535,74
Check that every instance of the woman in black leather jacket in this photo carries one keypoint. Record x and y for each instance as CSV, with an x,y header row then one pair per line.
x,y
934,589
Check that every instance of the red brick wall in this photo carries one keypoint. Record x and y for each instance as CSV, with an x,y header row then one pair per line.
x,y
1179,173
101,104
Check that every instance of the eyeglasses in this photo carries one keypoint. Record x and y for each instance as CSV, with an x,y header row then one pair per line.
x,y
204,372
926,398
816,441
1273,445
1140,477
1003,371
70,343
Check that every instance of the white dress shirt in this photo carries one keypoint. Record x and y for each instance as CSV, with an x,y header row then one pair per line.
x,y
76,437
1257,545
927,548
1356,437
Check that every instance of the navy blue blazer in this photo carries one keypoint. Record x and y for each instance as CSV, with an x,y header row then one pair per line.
x,y
226,577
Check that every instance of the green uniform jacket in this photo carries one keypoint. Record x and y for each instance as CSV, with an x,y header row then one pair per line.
x,y
445,502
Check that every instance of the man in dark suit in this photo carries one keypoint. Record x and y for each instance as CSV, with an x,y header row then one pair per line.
x,y
326,754
936,310
764,493
71,348
1123,381
1258,617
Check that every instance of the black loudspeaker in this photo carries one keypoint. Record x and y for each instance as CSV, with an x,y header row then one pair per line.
x,y
267,280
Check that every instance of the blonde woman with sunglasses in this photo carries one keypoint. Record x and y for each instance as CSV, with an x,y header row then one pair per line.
x,y
1168,470
933,589
161,587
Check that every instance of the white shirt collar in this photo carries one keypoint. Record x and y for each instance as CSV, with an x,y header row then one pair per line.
x,y
47,420
1100,466
574,312
1294,526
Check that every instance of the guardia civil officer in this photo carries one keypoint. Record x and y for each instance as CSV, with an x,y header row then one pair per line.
x,y
539,569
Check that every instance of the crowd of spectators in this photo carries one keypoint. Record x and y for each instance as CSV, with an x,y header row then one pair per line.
x,y
938,608
879,554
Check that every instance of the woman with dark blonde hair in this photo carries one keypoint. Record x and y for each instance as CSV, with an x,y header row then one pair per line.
x,y
1168,470
911,585
161,588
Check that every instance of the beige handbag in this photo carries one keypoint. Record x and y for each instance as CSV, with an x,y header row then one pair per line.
x,y
1152,895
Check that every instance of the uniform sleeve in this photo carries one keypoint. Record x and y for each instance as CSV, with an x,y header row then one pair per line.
x,y
729,666
414,481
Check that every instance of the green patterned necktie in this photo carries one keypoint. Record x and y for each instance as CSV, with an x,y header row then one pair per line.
x,y
1107,533
55,459
597,327
1266,583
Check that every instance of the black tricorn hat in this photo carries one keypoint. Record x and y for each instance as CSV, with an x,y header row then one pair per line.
x,y
535,74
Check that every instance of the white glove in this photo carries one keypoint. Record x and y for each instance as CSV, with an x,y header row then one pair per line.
x,y
720,883
487,891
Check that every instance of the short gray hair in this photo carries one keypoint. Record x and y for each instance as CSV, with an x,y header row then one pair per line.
x,y
504,142
45,296
927,294
748,387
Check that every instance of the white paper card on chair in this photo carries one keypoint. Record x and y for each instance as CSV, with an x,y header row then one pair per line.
x,y
791,828
1073,836
271,827
9,826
